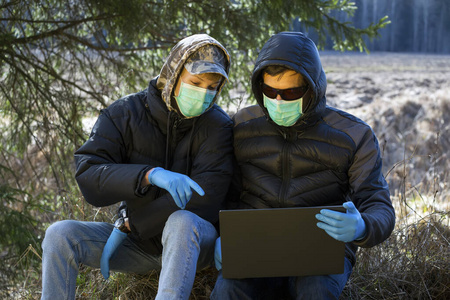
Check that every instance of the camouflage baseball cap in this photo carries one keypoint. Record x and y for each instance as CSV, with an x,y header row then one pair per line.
x,y
207,59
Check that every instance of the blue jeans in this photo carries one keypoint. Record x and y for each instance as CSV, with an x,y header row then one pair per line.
x,y
188,246
303,287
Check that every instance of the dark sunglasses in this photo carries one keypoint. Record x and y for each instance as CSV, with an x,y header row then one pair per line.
x,y
286,94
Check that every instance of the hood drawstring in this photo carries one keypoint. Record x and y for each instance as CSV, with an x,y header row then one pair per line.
x,y
168,133
188,159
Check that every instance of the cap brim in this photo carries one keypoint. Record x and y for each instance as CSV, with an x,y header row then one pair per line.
x,y
201,67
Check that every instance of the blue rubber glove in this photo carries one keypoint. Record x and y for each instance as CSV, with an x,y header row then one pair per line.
x,y
178,185
114,241
218,254
344,227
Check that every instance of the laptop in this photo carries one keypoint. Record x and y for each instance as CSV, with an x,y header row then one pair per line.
x,y
278,242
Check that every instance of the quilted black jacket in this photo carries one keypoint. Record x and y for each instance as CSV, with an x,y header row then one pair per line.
x,y
328,157
141,131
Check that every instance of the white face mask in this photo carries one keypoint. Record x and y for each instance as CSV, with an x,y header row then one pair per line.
x,y
284,113
193,100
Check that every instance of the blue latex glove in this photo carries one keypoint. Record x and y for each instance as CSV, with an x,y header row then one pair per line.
x,y
345,227
114,241
178,185
218,254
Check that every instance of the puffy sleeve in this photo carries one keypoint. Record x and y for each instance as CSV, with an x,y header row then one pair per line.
x,y
369,189
102,171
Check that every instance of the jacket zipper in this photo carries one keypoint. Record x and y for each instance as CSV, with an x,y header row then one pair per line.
x,y
285,171
172,142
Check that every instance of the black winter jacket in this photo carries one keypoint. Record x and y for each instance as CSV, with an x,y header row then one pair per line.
x,y
326,158
142,131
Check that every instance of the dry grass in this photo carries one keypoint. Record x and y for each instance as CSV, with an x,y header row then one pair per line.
x,y
130,286
412,264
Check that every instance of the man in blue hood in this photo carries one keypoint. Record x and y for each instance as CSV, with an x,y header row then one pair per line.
x,y
295,151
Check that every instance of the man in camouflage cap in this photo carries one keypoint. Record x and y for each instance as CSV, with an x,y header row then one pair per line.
x,y
165,153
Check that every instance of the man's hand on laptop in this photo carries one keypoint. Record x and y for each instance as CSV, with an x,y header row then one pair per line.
x,y
345,227
218,255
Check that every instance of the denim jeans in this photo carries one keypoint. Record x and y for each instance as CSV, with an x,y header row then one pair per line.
x,y
303,287
188,246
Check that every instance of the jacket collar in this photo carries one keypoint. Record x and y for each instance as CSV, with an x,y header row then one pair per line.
x,y
160,113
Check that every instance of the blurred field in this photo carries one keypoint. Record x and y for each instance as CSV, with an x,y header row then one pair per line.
x,y
406,100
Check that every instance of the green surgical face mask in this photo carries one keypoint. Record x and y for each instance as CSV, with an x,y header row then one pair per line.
x,y
193,100
284,113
